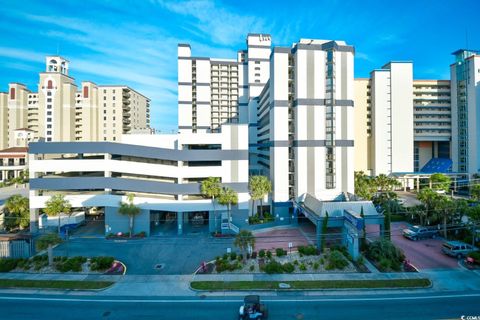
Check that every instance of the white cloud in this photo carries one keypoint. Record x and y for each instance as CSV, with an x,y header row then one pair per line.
x,y
215,21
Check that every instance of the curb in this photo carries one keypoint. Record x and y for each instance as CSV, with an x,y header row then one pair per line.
x,y
314,290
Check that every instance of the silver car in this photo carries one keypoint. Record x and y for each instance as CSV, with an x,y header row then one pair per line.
x,y
457,249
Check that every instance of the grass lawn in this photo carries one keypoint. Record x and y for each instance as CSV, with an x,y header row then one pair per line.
x,y
318,284
54,284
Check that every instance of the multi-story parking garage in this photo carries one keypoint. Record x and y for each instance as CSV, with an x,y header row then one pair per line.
x,y
162,171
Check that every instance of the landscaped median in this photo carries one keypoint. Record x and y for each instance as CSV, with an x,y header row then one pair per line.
x,y
55,284
311,285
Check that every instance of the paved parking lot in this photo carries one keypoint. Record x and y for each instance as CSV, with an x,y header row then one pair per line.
x,y
176,254
423,254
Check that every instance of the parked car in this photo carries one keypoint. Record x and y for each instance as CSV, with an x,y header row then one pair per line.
x,y
457,249
418,232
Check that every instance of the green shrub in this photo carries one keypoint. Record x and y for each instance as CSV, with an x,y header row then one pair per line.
x,y
303,267
252,267
273,267
385,264
316,265
280,252
240,257
40,258
360,260
233,256
308,250
336,260
288,267
71,264
101,263
24,264
382,250
8,264
322,261
225,256
295,262
268,254
254,255
261,253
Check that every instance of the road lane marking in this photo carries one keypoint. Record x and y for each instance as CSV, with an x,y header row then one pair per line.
x,y
237,300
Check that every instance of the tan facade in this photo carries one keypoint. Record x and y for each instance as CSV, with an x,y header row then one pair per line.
x,y
61,111
362,124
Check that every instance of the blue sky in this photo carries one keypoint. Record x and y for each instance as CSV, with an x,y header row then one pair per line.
x,y
134,42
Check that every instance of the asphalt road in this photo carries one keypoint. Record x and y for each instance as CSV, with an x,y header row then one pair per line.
x,y
417,306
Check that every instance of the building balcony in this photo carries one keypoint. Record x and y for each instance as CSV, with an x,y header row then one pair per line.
x,y
126,93
126,107
127,102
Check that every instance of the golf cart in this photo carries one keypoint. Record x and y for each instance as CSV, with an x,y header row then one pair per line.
x,y
252,308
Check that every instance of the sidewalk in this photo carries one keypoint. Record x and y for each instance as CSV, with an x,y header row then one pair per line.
x,y
179,285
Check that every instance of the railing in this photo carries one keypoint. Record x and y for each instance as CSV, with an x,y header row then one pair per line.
x,y
234,228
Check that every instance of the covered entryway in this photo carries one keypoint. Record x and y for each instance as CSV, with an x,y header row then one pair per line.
x,y
178,223
343,220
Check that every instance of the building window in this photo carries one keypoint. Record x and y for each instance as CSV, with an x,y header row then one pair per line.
x,y
49,99
49,133
49,126
85,92
104,111
22,162
49,119
49,113
49,139
113,98
49,84
49,93
105,118
104,98
12,93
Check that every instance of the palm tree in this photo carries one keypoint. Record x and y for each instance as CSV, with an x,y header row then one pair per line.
x,y
440,182
57,205
210,188
17,213
243,240
475,192
228,197
260,186
254,187
365,186
428,197
130,210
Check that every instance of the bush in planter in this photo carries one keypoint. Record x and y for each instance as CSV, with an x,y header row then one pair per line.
x,y
288,267
273,267
316,265
240,257
308,250
384,249
261,253
252,268
280,252
8,264
101,263
336,260
268,254
233,256
225,256
302,267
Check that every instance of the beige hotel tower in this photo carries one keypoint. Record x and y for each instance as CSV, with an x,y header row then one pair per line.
x,y
62,111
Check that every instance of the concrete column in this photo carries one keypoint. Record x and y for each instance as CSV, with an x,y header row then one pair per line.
x,y
33,220
180,222
418,184
107,174
211,221
381,227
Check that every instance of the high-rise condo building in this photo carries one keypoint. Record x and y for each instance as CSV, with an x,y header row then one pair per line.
x,y
61,111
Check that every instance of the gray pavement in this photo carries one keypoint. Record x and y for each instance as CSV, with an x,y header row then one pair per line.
x,y
403,306
176,255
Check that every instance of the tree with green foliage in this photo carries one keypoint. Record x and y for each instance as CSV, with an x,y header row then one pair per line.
x,y
386,184
365,186
440,182
56,206
445,207
130,210
228,197
47,241
259,187
428,197
210,188
475,192
243,240
255,190
17,213
324,232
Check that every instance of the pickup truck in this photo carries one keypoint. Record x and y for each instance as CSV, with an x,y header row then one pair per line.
x,y
417,232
